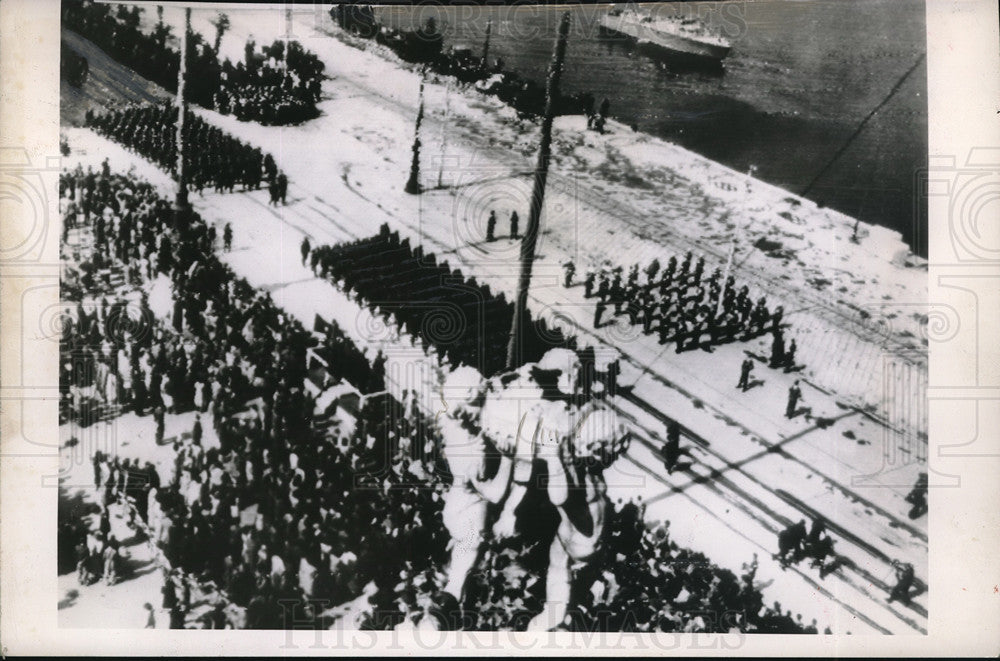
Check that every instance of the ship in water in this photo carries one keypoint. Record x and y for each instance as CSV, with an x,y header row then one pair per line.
x,y
681,37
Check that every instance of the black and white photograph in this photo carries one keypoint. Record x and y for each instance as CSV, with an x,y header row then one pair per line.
x,y
542,318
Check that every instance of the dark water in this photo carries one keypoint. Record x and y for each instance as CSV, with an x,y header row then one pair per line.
x,y
799,82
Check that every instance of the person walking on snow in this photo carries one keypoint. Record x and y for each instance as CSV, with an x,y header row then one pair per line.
x,y
282,187
672,450
305,249
794,395
745,370
904,581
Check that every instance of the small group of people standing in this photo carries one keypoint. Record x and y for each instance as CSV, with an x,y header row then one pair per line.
x,y
491,226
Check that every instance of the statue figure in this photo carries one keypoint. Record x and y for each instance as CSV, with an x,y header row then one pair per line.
x,y
468,501
532,416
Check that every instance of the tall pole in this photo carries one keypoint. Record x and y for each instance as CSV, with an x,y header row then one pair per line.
x,y
288,38
181,202
484,63
537,196
444,129
413,184
725,276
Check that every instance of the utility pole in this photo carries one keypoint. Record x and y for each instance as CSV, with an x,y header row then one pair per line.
x,y
741,229
444,129
181,202
484,63
288,38
725,276
413,184
514,346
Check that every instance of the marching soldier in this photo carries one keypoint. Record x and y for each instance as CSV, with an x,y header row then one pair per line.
x,y
617,293
570,268
588,284
686,265
633,276
714,290
668,275
598,311
699,268
604,288
681,335
648,312
632,309
663,330
611,378
652,270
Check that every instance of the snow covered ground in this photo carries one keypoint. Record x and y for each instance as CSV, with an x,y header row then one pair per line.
x,y
862,306
621,198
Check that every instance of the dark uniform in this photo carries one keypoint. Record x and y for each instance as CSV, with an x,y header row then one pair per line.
x,y
304,249
904,581
790,356
603,288
672,450
794,395
570,270
598,311
745,370
491,226
777,349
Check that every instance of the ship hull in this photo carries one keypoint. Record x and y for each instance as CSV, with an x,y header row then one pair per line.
x,y
675,45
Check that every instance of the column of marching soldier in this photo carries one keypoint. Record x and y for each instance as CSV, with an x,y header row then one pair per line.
x,y
680,305
212,157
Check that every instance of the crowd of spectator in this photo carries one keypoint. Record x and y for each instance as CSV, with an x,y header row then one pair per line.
x,y
282,508
278,84
645,582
